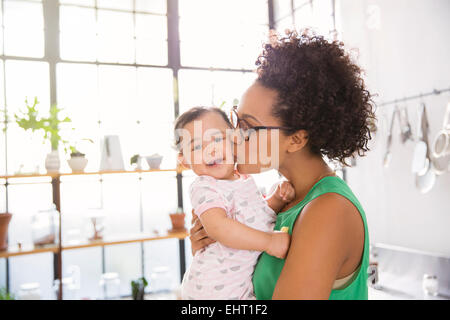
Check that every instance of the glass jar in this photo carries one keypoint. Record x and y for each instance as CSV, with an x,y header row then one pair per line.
x,y
109,286
44,226
70,290
30,291
95,224
70,284
161,280
430,285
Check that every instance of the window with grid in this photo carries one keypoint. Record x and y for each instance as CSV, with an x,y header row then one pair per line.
x,y
113,77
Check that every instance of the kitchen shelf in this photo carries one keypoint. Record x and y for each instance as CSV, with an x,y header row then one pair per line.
x,y
106,241
62,174
27,249
112,240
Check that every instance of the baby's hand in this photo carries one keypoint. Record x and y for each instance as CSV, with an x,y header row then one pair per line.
x,y
279,244
285,192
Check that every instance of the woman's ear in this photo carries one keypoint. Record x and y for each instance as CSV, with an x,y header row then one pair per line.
x,y
297,141
182,161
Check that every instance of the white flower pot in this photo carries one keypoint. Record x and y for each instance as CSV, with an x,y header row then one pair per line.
x,y
77,164
154,161
52,163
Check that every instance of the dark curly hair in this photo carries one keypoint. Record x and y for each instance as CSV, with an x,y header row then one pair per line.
x,y
320,90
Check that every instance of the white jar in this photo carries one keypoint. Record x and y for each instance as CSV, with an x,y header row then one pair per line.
x,y
110,286
30,291
430,285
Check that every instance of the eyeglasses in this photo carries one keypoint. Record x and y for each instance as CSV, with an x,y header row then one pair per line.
x,y
244,128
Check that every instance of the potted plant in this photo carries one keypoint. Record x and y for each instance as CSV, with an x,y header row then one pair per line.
x,y
138,288
5,295
135,162
77,161
5,218
177,220
51,125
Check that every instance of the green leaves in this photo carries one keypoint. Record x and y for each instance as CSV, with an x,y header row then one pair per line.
x,y
4,295
31,120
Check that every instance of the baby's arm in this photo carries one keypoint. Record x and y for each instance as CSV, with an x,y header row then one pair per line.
x,y
234,234
283,194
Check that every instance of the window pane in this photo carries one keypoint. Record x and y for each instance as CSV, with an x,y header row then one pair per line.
x,y
42,272
212,88
159,198
162,253
304,17
282,8
300,3
23,39
155,94
2,196
156,114
118,108
322,17
255,11
38,197
115,4
153,6
115,36
24,147
234,32
2,123
284,24
2,273
122,213
78,94
151,39
124,259
79,2
89,261
78,41
1,33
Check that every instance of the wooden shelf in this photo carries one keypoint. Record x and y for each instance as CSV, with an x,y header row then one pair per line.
x,y
61,174
107,241
27,249
113,240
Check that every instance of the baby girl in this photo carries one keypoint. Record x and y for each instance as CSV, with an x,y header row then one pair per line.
x,y
230,208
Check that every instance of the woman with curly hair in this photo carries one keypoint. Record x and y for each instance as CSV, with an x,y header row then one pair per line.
x,y
309,90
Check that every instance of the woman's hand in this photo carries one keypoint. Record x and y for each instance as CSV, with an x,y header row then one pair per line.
x,y
198,236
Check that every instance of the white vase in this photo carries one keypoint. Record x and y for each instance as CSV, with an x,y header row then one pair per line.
x,y
52,163
77,164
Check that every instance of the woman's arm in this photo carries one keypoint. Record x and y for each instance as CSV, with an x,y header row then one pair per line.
x,y
321,243
234,234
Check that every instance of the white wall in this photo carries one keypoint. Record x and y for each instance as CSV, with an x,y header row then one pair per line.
x,y
405,49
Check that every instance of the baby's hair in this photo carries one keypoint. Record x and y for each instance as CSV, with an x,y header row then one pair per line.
x,y
192,115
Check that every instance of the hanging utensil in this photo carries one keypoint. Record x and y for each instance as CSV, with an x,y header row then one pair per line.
x,y
420,160
405,126
388,154
426,177
441,146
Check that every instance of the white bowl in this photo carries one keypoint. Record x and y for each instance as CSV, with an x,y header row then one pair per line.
x,y
77,164
154,161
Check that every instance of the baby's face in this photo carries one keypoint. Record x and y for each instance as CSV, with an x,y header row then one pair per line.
x,y
206,147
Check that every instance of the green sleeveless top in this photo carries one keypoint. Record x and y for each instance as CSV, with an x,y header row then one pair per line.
x,y
268,268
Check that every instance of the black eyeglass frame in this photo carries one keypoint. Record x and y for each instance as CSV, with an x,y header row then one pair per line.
x,y
255,128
